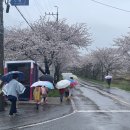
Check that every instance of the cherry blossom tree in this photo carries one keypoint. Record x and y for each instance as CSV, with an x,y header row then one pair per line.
x,y
123,46
49,41
100,62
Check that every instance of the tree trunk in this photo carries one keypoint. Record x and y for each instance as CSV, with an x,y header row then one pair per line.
x,y
47,71
1,50
57,73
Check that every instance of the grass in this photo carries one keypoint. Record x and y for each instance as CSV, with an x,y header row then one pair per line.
x,y
125,85
53,93
122,84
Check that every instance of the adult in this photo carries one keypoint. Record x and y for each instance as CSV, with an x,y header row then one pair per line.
x,y
108,79
13,89
71,88
61,92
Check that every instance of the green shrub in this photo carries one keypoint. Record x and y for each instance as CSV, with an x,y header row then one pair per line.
x,y
53,93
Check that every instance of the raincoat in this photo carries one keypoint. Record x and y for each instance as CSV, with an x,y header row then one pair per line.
x,y
37,94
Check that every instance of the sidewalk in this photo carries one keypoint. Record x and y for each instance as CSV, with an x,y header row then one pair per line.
x,y
27,113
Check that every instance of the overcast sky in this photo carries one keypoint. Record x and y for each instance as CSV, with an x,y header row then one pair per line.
x,y
105,23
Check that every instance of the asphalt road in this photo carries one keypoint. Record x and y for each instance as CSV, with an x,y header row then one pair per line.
x,y
93,110
27,114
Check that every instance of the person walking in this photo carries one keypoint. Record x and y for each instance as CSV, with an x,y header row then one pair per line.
x,y
13,90
71,88
44,94
61,92
37,96
108,79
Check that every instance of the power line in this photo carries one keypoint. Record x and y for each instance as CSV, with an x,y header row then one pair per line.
x,y
24,18
111,6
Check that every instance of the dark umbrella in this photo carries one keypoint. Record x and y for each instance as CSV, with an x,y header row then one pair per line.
x,y
7,77
47,77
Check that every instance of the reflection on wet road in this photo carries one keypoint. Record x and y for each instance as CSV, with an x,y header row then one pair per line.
x,y
93,111
90,99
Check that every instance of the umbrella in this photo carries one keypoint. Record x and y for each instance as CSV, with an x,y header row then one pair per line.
x,y
63,84
75,77
7,77
47,77
108,77
43,83
73,83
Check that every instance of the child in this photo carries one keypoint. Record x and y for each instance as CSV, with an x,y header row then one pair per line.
x,y
61,92
71,87
37,96
44,94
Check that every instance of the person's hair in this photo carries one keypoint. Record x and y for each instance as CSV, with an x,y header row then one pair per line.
x,y
15,76
71,77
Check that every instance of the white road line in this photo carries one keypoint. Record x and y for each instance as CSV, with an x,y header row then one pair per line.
x,y
104,111
73,105
44,122
109,95
75,111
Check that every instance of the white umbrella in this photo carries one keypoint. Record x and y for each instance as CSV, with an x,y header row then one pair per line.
x,y
43,83
63,84
38,83
108,77
75,77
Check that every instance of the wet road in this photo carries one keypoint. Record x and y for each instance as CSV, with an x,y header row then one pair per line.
x,y
93,110
27,114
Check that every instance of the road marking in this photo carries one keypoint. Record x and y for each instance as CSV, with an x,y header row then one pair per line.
x,y
75,111
73,105
109,95
103,111
44,122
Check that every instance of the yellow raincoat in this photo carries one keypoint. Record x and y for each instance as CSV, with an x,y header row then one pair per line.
x,y
37,94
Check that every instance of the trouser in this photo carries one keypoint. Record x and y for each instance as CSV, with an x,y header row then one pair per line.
x,y
109,82
13,100
61,97
45,98
1,102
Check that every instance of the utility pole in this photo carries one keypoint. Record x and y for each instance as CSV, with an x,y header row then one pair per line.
x,y
1,53
57,14
1,38
47,71
54,14
56,74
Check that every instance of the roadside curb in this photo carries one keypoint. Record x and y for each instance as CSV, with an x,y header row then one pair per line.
x,y
51,101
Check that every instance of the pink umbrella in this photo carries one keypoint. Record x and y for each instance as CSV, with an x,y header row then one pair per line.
x,y
73,84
